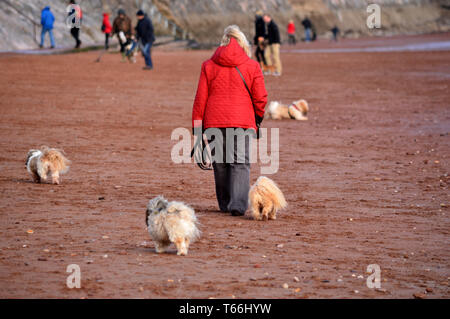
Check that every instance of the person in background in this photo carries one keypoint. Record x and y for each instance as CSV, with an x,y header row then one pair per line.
x,y
78,16
222,101
47,20
307,25
145,36
272,52
122,27
260,35
106,29
291,32
335,31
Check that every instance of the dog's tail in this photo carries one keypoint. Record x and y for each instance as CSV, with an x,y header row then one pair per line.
x,y
273,107
269,188
55,158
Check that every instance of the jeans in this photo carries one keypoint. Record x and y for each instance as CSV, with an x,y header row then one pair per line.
x,y
307,34
146,52
232,179
50,32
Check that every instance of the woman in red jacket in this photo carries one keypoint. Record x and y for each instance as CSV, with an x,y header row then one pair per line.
x,y
222,101
291,32
106,28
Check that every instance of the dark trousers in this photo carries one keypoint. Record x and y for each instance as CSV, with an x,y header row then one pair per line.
x,y
259,53
291,39
75,32
232,179
106,41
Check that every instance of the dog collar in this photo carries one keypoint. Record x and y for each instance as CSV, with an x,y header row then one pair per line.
x,y
289,110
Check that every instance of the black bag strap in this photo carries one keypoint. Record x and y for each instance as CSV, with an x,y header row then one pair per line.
x,y
246,86
201,162
251,98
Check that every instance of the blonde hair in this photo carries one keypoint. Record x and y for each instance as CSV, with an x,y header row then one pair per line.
x,y
233,31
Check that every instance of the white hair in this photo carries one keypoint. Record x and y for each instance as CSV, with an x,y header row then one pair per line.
x,y
233,31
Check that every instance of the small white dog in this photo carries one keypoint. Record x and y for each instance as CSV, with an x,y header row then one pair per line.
x,y
45,161
171,222
265,199
297,110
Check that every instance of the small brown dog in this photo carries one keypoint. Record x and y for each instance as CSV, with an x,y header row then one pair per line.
x,y
171,222
265,199
297,110
41,163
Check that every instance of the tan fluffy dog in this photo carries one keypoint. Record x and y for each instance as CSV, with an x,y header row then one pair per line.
x,y
297,110
171,222
41,163
265,199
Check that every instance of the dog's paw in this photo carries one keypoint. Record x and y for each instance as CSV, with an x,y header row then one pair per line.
x,y
160,248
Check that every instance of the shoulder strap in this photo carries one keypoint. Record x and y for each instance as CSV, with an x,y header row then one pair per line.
x,y
245,83
251,98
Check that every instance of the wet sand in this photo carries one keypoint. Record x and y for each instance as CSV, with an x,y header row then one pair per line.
x,y
366,179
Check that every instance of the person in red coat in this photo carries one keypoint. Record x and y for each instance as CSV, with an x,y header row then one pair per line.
x,y
291,32
106,28
222,104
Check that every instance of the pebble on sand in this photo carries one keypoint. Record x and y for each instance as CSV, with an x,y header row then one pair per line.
x,y
419,295
285,286
30,231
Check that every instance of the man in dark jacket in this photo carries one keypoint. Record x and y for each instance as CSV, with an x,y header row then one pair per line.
x,y
47,20
260,35
146,37
307,25
273,50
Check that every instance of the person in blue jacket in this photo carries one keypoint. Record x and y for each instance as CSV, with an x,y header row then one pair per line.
x,y
47,20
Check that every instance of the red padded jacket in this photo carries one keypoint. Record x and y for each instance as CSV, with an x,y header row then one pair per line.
x,y
222,99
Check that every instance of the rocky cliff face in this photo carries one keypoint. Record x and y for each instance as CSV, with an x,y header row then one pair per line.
x,y
20,21
204,20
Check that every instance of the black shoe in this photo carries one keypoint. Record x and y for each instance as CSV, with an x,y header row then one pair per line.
x,y
236,213
147,68
52,47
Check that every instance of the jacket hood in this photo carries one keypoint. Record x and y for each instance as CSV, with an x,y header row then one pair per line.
x,y
230,55
46,8
106,14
